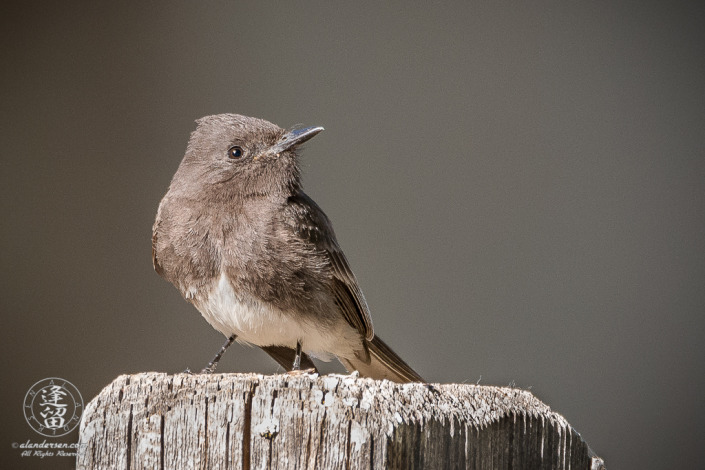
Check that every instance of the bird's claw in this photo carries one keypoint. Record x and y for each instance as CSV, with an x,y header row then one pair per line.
x,y
301,372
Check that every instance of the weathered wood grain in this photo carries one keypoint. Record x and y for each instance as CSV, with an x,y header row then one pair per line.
x,y
248,421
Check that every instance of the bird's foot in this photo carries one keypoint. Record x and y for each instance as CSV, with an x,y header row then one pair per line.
x,y
299,372
210,368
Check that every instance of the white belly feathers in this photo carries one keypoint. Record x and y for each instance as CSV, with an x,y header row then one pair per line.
x,y
256,322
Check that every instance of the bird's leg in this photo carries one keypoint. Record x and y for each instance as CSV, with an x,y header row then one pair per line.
x,y
296,366
297,357
210,368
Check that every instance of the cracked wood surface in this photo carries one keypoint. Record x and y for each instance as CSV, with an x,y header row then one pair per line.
x,y
249,421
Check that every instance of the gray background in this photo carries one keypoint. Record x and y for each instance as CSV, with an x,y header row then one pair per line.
x,y
519,189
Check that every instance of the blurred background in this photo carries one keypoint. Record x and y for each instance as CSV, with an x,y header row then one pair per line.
x,y
519,188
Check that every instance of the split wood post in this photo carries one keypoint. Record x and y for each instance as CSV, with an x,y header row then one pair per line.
x,y
248,421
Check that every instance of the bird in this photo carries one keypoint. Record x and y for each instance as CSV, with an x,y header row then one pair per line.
x,y
258,258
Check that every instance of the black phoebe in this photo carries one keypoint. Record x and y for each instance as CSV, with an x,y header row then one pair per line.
x,y
258,258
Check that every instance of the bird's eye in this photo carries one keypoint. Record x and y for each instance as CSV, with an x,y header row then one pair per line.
x,y
235,153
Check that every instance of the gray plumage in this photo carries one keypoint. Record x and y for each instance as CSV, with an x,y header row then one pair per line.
x,y
258,258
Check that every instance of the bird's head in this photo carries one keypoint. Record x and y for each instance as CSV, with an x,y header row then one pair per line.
x,y
230,155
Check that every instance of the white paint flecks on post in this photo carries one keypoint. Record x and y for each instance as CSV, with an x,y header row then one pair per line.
x,y
250,421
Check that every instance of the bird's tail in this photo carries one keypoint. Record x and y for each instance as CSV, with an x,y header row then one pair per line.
x,y
382,363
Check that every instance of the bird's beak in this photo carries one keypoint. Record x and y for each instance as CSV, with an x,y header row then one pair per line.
x,y
295,137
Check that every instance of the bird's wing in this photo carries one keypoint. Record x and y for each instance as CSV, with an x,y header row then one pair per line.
x,y
285,357
313,226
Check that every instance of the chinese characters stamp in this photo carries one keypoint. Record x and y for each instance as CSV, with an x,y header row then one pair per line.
x,y
53,407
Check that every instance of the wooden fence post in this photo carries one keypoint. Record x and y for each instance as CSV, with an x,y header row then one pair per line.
x,y
249,421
